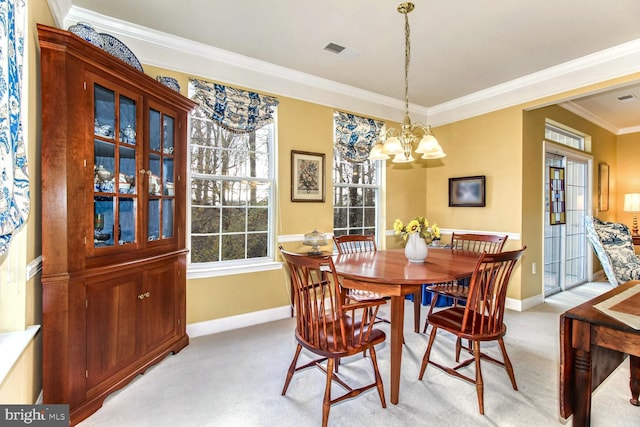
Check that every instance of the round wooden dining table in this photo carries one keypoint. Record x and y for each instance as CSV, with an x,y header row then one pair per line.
x,y
389,273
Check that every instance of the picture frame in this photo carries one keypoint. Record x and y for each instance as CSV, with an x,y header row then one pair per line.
x,y
467,191
603,187
307,176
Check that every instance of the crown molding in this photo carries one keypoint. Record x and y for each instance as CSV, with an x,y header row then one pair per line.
x,y
587,115
617,61
167,51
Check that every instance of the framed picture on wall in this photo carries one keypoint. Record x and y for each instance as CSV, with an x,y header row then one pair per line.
x,y
307,176
468,191
603,187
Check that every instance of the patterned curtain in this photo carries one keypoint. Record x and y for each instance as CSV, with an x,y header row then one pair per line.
x,y
355,135
236,110
14,182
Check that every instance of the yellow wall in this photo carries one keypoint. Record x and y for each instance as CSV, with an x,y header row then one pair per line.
x,y
627,173
489,145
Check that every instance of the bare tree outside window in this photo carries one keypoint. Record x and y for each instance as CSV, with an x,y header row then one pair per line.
x,y
355,196
231,192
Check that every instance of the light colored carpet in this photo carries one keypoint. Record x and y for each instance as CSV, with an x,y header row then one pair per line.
x,y
235,379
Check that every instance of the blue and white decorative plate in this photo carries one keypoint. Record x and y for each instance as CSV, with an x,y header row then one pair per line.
x,y
169,82
86,32
118,49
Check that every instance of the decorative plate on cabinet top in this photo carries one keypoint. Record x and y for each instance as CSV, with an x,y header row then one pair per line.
x,y
118,49
86,32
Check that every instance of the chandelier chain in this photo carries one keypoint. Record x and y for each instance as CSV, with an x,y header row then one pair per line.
x,y
407,58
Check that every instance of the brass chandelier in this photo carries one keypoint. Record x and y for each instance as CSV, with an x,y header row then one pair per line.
x,y
399,142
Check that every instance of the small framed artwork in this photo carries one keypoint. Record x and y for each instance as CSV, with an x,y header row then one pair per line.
x,y
603,187
557,210
468,191
307,176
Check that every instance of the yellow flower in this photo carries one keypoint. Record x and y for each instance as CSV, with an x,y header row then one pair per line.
x,y
418,225
398,226
413,226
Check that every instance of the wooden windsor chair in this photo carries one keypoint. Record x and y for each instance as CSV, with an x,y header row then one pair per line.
x,y
330,326
480,320
459,289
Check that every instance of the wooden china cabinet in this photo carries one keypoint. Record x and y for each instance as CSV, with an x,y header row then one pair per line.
x,y
113,221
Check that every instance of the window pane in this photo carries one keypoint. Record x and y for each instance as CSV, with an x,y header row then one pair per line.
x,y
339,218
233,246
204,248
205,219
258,219
257,245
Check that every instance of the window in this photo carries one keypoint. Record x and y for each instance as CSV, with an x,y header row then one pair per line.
x,y
564,136
231,176
356,179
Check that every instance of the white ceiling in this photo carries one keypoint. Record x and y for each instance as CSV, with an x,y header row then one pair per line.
x,y
458,47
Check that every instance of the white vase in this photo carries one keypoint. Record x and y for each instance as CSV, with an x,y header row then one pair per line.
x,y
416,249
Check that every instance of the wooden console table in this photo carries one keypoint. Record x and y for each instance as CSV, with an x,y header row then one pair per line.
x,y
592,346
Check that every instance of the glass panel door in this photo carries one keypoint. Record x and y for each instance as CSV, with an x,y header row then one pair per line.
x,y
161,207
565,245
115,164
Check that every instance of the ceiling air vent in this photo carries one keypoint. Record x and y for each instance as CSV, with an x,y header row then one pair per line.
x,y
334,48
627,98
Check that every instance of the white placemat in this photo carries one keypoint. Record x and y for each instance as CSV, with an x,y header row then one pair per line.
x,y
624,307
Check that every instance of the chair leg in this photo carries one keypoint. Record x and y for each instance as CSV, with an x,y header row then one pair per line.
x,y
326,403
479,383
425,358
292,369
507,364
376,372
434,300
458,348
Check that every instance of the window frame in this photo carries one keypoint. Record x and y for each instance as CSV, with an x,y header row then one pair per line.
x,y
238,266
379,176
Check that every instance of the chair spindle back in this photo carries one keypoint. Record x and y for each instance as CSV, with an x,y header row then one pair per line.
x,y
485,306
352,243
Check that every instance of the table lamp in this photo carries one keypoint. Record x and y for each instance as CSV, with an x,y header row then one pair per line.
x,y
632,204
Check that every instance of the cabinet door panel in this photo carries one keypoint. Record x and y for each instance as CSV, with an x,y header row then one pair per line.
x,y
158,320
111,321
116,162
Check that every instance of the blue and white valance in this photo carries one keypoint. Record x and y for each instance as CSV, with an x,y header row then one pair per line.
x,y
355,135
14,181
236,110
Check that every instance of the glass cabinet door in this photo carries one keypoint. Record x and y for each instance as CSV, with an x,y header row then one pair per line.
x,y
161,173
115,168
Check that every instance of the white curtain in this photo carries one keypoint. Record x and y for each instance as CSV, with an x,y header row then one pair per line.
x,y
14,181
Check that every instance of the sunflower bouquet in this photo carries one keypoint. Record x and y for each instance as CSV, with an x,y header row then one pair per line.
x,y
418,225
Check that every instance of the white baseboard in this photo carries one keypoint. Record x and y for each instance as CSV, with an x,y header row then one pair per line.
x,y
239,321
526,304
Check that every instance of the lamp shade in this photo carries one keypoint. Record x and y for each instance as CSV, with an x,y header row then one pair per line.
x,y
392,146
376,153
632,202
